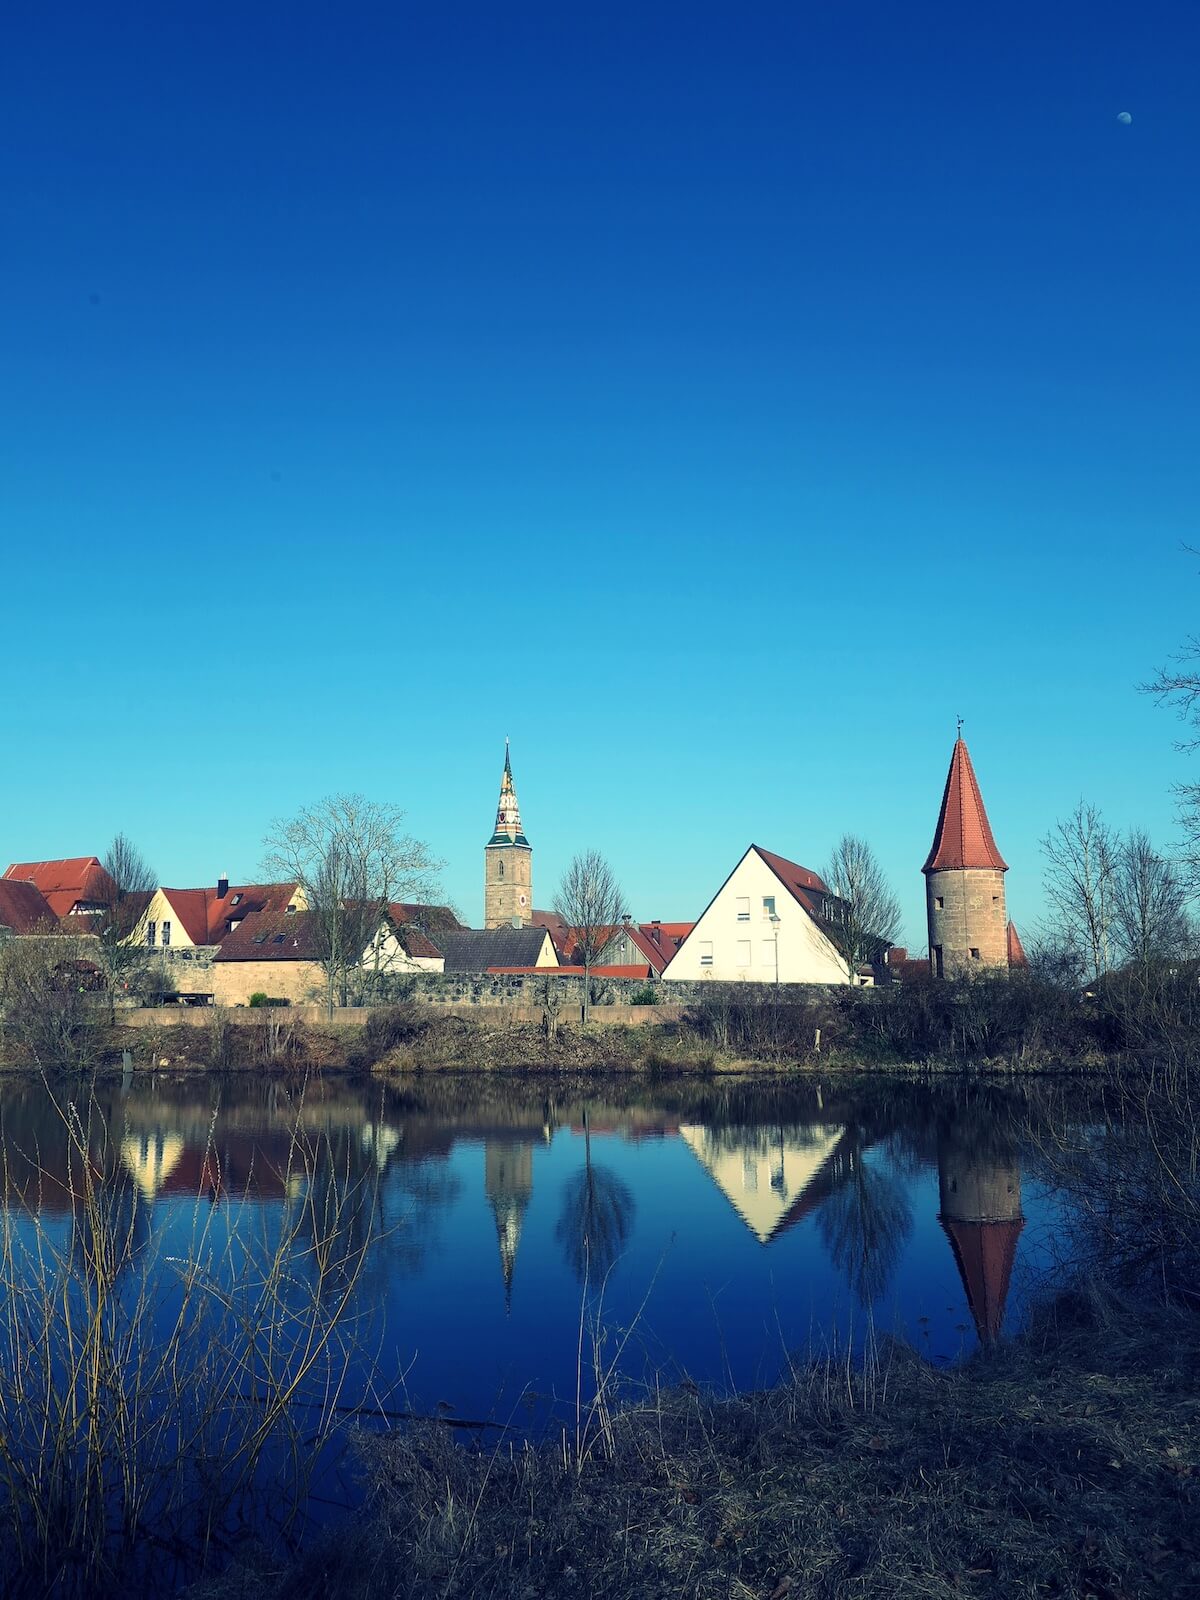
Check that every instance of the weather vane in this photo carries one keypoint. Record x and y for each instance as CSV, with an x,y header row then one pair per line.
x,y
960,727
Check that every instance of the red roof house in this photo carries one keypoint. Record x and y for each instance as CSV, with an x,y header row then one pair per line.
x,y
24,908
71,885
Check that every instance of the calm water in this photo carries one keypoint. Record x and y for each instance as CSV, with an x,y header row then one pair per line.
x,y
726,1225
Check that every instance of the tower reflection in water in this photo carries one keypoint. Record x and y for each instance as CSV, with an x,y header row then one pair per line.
x,y
979,1189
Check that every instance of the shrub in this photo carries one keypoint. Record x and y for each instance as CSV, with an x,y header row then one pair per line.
x,y
646,995
386,1029
258,998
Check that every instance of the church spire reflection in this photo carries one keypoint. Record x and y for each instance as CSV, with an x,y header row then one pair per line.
x,y
508,1184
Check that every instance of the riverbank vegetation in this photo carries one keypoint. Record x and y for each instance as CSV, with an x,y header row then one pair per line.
x,y
1066,1465
158,1396
1065,1462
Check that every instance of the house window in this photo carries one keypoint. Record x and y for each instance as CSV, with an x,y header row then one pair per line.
x,y
291,910
769,907
743,951
706,953
974,955
151,932
166,933
236,901
939,902
743,908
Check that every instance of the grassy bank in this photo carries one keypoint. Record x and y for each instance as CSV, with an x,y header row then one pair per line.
x,y
1067,1464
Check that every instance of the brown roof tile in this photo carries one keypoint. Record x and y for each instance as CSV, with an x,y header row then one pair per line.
x,y
964,835
24,908
64,882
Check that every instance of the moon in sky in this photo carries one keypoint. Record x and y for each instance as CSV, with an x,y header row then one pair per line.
x,y
1124,117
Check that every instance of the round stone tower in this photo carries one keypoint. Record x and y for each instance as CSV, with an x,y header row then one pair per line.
x,y
964,880
507,863
979,1186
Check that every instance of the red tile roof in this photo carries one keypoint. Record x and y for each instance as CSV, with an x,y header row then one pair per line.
x,y
658,941
205,915
24,908
801,882
964,835
554,925
272,933
65,882
1016,950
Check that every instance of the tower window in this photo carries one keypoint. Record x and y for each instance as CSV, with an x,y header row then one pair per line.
x,y
938,965
974,954
499,869
939,902
995,899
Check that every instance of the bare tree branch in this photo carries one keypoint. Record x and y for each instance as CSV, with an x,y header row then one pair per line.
x,y
866,913
591,903
351,858
1081,868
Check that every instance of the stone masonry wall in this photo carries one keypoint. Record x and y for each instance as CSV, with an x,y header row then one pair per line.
x,y
967,911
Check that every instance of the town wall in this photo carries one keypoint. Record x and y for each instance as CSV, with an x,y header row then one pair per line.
x,y
298,982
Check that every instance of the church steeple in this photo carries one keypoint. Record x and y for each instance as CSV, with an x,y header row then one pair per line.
x,y
507,861
508,812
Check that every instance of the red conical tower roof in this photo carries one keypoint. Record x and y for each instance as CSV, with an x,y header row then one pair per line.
x,y
985,1252
964,834
1016,950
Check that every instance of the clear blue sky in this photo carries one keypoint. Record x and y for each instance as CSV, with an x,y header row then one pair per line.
x,y
718,399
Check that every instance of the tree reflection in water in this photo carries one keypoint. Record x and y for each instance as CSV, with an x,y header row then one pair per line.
x,y
596,1217
865,1224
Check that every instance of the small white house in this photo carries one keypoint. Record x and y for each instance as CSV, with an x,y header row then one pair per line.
x,y
771,921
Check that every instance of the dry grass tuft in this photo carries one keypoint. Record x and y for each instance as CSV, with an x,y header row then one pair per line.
x,y
1066,1465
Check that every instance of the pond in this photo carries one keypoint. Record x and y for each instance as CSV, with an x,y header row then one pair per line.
x,y
729,1226
478,1239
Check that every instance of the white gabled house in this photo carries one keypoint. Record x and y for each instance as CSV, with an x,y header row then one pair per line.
x,y
771,921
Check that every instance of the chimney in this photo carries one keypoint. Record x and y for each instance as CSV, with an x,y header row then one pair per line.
x,y
222,887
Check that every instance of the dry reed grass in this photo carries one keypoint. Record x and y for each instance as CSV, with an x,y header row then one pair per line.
x,y
1065,1466
149,1402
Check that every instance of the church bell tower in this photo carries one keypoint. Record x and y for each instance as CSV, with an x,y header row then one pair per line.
x,y
507,862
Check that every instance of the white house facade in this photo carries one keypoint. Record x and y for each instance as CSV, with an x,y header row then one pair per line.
x,y
764,925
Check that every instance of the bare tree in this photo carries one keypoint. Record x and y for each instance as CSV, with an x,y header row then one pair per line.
x,y
868,916
1178,685
1081,871
1149,902
124,889
590,902
45,991
351,858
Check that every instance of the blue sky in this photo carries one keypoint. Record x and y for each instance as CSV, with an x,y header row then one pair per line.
x,y
718,400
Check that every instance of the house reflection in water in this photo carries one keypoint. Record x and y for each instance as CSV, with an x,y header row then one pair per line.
x,y
772,1177
150,1157
508,1184
233,1165
979,1186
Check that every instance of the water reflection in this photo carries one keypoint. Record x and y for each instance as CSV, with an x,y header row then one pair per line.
x,y
597,1214
979,1191
482,1207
